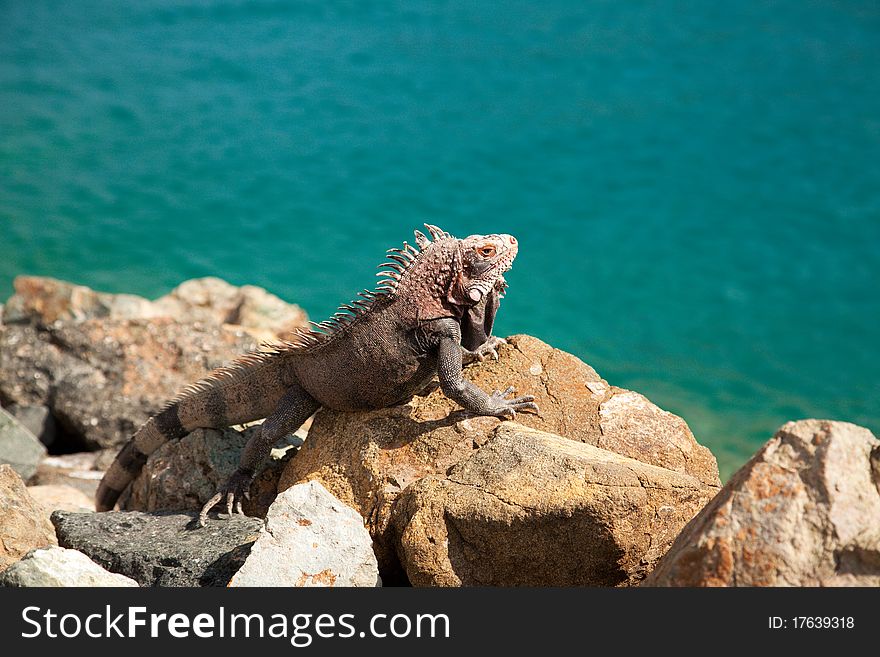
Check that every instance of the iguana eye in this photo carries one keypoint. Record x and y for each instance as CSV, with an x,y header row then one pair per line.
x,y
487,251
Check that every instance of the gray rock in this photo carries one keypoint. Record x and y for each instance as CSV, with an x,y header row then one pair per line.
x,y
18,446
310,539
804,511
161,549
56,566
36,419
184,474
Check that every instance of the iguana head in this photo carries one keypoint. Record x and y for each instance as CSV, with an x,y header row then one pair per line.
x,y
483,261
449,275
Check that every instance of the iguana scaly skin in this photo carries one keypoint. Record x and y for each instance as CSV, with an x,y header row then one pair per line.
x,y
434,307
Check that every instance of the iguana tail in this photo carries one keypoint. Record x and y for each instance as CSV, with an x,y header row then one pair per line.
x,y
247,390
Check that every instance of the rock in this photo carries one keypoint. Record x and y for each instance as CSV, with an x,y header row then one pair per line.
x,y
36,419
42,301
56,566
310,539
183,475
159,549
102,379
18,446
803,511
367,459
77,470
530,508
23,526
66,498
215,301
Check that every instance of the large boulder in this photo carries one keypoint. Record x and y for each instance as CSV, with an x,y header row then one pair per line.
x,y
103,363
367,459
23,525
804,511
530,508
56,566
183,475
160,549
102,379
310,539
18,446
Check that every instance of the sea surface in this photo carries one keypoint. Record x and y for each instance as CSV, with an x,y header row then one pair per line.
x,y
695,186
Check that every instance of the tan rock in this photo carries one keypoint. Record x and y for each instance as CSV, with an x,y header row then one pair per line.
x,y
214,300
67,498
43,300
23,524
804,511
531,508
367,459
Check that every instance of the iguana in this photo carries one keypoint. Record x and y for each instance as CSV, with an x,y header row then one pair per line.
x,y
434,307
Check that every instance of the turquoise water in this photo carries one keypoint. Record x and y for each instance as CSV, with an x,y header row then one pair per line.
x,y
695,186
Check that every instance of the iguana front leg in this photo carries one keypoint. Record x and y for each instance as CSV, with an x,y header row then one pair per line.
x,y
462,391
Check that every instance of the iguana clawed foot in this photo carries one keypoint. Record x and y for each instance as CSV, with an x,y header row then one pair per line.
x,y
236,489
506,408
488,348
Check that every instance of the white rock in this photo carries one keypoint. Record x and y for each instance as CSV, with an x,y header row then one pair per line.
x,y
57,566
310,539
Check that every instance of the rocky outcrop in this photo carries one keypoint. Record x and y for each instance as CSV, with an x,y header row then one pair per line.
x,y
310,539
367,459
214,301
530,508
19,448
103,363
804,511
23,524
58,566
43,301
183,475
102,379
162,549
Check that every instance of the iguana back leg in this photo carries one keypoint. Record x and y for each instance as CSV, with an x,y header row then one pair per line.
x,y
294,408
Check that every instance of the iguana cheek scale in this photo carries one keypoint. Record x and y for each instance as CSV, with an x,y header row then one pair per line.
x,y
434,305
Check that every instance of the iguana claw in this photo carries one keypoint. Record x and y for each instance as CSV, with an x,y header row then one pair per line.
x,y
488,348
236,489
507,408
